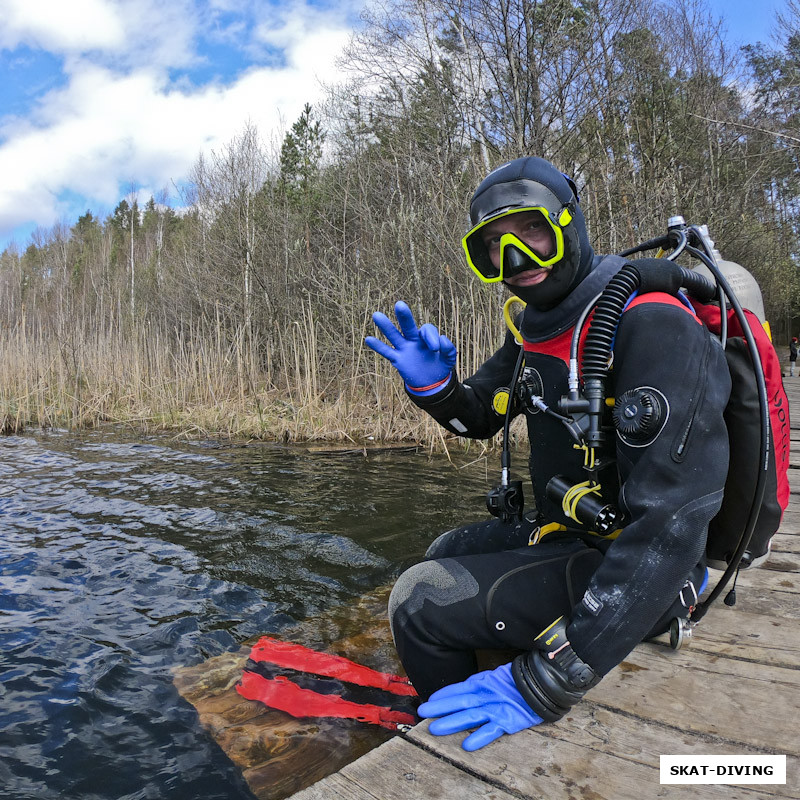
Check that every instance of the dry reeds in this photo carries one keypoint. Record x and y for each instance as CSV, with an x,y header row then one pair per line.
x,y
205,381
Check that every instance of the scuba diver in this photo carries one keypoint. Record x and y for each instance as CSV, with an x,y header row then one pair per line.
x,y
569,594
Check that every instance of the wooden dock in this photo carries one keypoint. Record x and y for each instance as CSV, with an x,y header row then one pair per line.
x,y
735,691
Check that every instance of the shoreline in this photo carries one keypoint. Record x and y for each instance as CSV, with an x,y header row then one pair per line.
x,y
423,434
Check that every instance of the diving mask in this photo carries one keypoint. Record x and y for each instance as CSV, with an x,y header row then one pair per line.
x,y
515,254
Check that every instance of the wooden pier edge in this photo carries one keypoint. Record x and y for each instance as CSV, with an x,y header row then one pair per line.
x,y
733,692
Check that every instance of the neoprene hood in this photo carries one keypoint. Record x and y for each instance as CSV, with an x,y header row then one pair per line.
x,y
531,183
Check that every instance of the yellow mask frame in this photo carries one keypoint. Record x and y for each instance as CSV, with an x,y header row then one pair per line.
x,y
478,257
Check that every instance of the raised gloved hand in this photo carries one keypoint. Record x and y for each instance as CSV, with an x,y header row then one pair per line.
x,y
423,357
489,699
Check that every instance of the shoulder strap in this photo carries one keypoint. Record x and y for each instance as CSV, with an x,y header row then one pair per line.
x,y
664,299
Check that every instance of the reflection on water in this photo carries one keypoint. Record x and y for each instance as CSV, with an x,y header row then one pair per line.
x,y
121,559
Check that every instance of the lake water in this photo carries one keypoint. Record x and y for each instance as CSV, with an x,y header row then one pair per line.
x,y
123,558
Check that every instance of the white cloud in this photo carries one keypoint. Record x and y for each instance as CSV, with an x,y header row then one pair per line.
x,y
60,26
110,128
117,32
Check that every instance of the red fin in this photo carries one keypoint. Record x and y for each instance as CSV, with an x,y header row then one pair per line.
x,y
295,656
280,693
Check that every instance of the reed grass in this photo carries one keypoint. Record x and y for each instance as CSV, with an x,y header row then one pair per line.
x,y
207,382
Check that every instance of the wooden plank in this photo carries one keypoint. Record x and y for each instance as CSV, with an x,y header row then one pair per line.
x,y
757,600
770,590
596,753
758,638
738,701
785,543
790,514
790,523
771,580
783,562
400,770
334,787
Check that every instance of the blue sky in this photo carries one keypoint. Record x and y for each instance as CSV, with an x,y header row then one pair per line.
x,y
98,97
747,21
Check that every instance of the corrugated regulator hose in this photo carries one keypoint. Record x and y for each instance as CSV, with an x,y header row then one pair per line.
x,y
597,347
599,339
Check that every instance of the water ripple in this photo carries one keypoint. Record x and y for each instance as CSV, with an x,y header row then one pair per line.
x,y
123,559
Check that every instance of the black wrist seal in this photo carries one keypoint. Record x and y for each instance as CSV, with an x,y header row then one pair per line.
x,y
551,678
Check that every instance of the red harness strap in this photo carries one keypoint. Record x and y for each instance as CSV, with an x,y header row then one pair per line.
x,y
558,346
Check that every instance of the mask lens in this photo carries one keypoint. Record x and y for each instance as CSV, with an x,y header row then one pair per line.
x,y
542,241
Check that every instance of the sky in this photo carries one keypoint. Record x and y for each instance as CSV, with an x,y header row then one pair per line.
x,y
747,21
99,98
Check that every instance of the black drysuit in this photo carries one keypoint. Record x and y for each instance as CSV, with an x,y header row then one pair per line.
x,y
485,587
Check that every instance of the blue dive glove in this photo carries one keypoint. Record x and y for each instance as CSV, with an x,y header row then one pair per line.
x,y
489,699
423,357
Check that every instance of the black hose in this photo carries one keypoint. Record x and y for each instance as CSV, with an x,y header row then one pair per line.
x,y
698,285
763,405
651,244
505,454
681,240
574,347
597,347
598,344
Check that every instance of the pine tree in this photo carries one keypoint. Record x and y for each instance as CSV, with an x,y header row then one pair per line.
x,y
301,154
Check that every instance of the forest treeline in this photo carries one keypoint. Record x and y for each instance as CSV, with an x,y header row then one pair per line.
x,y
245,312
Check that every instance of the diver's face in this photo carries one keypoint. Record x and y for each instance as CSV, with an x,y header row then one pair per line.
x,y
532,228
543,287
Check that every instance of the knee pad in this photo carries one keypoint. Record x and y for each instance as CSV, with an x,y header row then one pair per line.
x,y
441,582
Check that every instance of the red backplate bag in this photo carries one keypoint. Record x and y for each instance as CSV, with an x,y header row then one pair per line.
x,y
743,420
